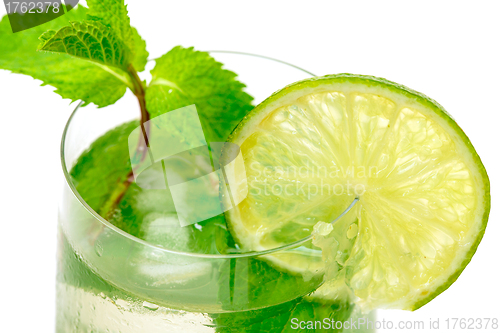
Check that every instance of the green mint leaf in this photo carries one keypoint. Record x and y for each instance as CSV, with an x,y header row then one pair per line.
x,y
283,318
87,40
115,14
94,41
264,287
184,76
104,166
140,53
72,77
254,283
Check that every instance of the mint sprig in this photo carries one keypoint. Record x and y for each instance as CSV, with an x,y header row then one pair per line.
x,y
74,79
99,45
99,56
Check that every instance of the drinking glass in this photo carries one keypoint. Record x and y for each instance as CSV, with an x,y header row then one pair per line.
x,y
112,281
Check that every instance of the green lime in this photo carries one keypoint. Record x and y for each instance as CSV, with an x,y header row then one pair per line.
x,y
314,146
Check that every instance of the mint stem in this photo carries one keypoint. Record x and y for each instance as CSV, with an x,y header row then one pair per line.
x,y
140,93
120,190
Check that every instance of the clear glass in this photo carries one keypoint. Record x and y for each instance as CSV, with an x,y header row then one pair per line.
x,y
111,281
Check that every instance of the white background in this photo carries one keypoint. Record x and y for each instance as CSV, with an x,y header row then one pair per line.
x,y
449,50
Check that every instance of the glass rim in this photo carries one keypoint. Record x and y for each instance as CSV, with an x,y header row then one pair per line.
x,y
123,233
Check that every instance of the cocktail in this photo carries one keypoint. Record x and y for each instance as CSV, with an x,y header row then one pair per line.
x,y
159,273
194,202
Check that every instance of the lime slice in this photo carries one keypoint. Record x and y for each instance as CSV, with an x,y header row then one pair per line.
x,y
314,146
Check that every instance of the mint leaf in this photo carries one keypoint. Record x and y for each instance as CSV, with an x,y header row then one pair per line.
x,y
73,78
115,14
88,40
94,41
184,76
255,284
278,318
264,287
104,166
140,53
